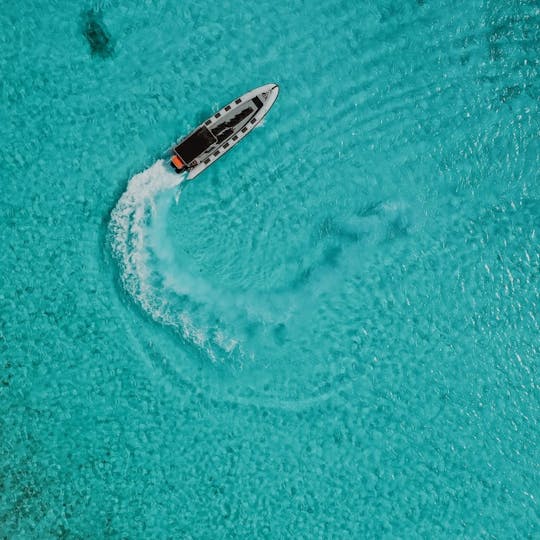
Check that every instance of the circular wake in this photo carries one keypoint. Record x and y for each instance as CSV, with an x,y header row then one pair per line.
x,y
297,331
165,287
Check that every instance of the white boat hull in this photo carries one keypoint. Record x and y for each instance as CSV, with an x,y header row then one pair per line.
x,y
221,132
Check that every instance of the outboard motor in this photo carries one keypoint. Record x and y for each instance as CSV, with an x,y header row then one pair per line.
x,y
177,164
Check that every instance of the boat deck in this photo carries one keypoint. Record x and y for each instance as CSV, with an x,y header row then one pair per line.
x,y
224,129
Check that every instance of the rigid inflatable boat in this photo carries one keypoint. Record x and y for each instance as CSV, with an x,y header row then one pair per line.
x,y
217,135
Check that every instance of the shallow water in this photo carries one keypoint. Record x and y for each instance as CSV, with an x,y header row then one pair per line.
x,y
332,332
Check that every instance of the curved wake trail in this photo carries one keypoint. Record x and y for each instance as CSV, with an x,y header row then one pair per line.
x,y
233,327
148,268
135,210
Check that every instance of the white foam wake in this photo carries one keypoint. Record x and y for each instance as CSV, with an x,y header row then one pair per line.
x,y
133,212
229,326
141,248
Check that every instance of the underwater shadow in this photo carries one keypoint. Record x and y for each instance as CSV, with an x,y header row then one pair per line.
x,y
96,33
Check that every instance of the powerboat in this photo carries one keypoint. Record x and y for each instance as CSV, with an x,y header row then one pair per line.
x,y
226,128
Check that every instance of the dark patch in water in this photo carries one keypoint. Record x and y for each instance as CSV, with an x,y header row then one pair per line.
x,y
97,35
398,227
331,256
253,328
370,209
302,279
280,334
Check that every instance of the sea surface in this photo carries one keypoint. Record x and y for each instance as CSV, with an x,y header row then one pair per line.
x,y
334,332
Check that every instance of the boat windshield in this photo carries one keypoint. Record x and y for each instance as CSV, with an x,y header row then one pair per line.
x,y
195,144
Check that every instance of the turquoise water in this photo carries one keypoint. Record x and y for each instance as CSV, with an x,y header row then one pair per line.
x,y
331,333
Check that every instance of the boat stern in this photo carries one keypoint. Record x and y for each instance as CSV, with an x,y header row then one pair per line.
x,y
177,164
